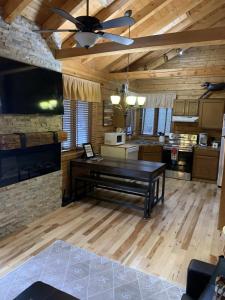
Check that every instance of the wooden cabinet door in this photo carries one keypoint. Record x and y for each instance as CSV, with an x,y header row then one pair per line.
x,y
150,153
205,167
191,108
179,108
211,113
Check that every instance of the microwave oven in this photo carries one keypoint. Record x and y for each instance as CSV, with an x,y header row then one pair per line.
x,y
115,138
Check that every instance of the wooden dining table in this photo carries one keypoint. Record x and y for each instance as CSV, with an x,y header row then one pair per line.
x,y
129,176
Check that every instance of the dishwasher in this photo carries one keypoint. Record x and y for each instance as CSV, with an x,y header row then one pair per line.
x,y
126,151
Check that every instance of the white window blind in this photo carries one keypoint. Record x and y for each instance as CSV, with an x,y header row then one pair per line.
x,y
156,120
76,123
164,120
82,123
148,121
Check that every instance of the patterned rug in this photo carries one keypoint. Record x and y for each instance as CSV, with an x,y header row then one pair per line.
x,y
86,276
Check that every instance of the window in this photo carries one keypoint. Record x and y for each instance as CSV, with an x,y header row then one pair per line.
x,y
156,120
76,121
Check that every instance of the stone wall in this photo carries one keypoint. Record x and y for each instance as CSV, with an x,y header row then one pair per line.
x,y
23,202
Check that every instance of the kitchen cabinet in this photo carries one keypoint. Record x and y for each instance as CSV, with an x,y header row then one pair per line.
x,y
211,113
205,163
179,108
150,153
185,108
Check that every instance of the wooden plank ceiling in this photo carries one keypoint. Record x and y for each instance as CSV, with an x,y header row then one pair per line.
x,y
152,17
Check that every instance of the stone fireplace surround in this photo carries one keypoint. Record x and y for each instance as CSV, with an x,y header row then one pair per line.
x,y
23,202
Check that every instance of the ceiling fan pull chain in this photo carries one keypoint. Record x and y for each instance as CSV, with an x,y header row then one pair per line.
x,y
87,7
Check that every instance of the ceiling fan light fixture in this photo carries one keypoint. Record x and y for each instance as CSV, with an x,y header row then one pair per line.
x,y
86,39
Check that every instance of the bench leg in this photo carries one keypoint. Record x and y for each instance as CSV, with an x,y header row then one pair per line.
x,y
146,207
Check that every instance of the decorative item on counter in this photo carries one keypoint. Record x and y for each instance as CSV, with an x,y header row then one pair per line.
x,y
161,137
203,139
215,145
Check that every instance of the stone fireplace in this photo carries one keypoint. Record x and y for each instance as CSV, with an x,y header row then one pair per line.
x,y
31,196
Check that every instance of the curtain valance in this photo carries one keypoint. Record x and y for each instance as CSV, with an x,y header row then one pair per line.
x,y
80,89
160,100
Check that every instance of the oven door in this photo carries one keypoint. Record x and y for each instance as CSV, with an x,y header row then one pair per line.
x,y
180,168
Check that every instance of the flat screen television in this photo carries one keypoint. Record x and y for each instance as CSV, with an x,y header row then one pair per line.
x,y
26,89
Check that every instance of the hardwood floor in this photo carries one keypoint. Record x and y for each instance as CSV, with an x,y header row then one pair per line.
x,y
184,228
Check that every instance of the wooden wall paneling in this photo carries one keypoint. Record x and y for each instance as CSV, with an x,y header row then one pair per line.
x,y
164,73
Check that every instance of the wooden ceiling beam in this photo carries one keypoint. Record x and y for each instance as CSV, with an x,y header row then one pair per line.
x,y
193,38
140,17
193,16
14,8
104,14
152,25
154,60
168,73
55,21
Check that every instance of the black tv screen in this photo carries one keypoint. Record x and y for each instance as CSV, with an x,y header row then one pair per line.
x,y
25,89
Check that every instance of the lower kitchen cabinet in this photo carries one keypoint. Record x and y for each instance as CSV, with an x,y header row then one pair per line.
x,y
205,164
150,153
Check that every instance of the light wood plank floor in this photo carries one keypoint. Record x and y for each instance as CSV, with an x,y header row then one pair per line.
x,y
184,228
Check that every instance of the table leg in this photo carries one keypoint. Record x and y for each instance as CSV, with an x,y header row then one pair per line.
x,y
163,185
71,181
150,198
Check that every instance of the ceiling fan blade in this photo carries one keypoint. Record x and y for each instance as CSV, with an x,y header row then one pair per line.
x,y
114,23
116,38
54,30
64,14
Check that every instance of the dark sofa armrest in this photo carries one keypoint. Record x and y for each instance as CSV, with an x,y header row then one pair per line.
x,y
198,276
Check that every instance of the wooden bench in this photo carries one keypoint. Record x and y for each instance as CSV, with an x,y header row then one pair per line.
x,y
88,183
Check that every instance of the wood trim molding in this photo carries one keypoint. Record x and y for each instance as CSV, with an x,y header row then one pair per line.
x,y
193,38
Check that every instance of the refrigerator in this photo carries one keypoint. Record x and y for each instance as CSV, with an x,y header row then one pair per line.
x,y
222,154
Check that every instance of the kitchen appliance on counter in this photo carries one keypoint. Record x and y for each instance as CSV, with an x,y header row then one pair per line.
x,y
126,151
178,155
115,138
203,139
222,154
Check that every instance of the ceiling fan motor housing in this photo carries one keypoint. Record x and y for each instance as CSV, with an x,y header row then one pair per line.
x,y
88,23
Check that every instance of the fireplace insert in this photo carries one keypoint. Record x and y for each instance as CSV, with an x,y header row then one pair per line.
x,y
22,164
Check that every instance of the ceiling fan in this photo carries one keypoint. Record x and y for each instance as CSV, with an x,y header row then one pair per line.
x,y
89,29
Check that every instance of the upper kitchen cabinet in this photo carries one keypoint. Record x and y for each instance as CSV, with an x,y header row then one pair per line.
x,y
211,113
185,108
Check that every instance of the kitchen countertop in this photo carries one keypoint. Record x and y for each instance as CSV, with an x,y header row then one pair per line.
x,y
207,148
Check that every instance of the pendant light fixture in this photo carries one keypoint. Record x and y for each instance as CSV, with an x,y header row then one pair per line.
x,y
130,100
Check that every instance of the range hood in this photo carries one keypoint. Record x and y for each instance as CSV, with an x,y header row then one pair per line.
x,y
184,119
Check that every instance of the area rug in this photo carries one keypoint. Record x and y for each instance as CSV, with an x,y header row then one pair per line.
x,y
86,276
